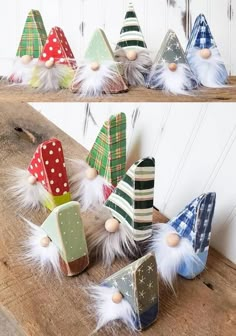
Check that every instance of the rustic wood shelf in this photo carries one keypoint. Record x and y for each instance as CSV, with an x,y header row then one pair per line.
x,y
35,305
13,93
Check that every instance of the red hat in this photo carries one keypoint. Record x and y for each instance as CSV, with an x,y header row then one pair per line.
x,y
58,48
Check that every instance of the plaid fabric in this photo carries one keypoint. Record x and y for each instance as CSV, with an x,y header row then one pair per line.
x,y
33,37
131,35
201,36
108,154
132,200
194,222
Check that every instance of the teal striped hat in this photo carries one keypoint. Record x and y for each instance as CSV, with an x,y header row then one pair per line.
x,y
131,36
131,203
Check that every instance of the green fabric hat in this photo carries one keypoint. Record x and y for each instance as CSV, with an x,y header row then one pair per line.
x,y
138,283
131,36
171,50
64,227
34,36
131,203
108,154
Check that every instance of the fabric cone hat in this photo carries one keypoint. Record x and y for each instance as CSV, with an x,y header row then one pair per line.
x,y
100,73
194,223
131,36
65,229
108,154
48,167
204,56
34,36
131,203
131,294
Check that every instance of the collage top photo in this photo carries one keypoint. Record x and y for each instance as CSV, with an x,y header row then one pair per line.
x,y
121,51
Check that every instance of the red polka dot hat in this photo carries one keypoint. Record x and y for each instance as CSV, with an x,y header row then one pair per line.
x,y
57,48
48,167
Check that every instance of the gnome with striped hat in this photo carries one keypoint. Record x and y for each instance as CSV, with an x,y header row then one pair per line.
x,y
91,182
55,68
132,51
45,182
126,217
181,246
59,244
99,73
32,41
171,71
129,295
204,57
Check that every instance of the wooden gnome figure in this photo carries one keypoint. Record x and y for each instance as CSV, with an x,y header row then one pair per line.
x,y
59,244
204,57
181,245
126,217
55,68
91,182
99,73
131,50
45,182
129,296
171,71
32,41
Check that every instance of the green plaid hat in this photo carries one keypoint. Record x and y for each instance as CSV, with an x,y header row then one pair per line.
x,y
108,154
34,35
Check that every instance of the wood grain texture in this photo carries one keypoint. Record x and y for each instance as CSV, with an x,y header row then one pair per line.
x,y
14,93
43,305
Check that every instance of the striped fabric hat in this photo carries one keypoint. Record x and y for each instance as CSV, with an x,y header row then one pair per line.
x,y
171,50
131,35
201,35
194,222
131,203
34,36
108,154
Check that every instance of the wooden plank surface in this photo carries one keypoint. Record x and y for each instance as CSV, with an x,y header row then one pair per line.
x,y
42,305
13,93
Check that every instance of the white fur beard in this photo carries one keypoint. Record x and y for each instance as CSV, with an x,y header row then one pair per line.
x,y
169,259
181,81
90,193
21,73
211,71
107,311
47,259
135,72
26,195
107,246
92,83
50,79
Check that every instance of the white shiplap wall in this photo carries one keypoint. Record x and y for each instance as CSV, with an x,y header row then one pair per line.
x,y
155,17
194,146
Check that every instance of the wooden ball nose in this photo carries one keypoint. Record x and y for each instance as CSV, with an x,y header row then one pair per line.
x,y
117,297
131,55
91,173
173,239
95,66
112,225
49,64
26,59
45,241
172,67
32,179
205,53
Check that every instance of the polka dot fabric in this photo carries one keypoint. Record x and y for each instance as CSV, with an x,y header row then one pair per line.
x,y
57,47
48,166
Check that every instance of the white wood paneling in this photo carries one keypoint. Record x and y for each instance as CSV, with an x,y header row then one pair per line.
x,y
194,146
79,18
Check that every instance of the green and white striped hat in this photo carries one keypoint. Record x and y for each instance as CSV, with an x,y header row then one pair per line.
x,y
131,36
131,203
